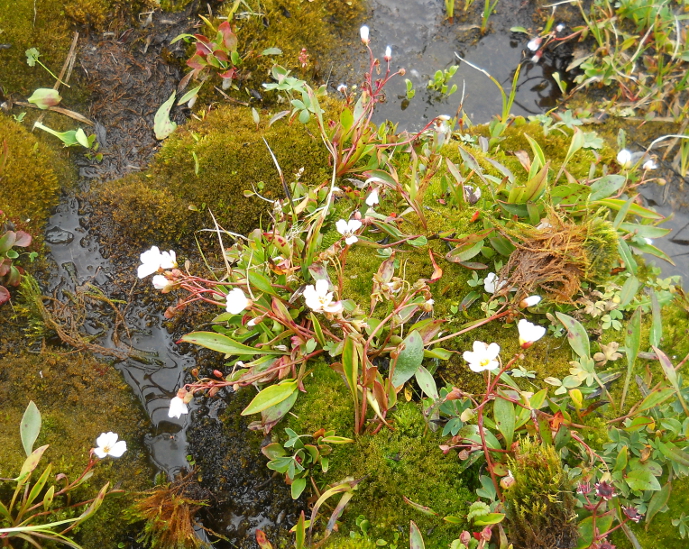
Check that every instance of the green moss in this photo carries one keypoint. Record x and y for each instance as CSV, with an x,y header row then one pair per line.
x,y
232,157
79,398
540,504
32,176
404,461
48,26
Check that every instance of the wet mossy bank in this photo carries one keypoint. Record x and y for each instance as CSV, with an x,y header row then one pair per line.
x,y
79,398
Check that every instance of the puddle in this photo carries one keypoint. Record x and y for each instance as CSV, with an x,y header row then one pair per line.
x,y
423,41
155,378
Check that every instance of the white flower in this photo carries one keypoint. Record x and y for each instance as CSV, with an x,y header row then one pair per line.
x,y
347,229
153,260
236,301
530,301
560,27
624,158
372,199
388,54
649,164
529,333
648,241
483,357
534,43
363,31
160,282
490,283
177,407
537,57
342,88
319,299
108,445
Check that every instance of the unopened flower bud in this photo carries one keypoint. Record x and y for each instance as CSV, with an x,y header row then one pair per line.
x,y
537,57
530,301
388,54
534,43
188,397
507,482
402,72
342,88
465,537
560,27
218,373
363,31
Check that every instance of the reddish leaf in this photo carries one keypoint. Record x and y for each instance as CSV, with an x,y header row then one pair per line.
x,y
437,271
262,541
4,295
23,239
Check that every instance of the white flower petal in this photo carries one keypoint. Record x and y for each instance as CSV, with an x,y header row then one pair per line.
x,y
624,158
177,408
236,301
118,449
351,240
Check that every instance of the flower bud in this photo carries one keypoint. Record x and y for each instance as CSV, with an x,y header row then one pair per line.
x,y
388,54
624,158
534,43
402,72
530,301
218,373
363,31
507,482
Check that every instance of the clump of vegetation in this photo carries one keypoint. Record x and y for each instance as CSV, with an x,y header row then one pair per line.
x,y
30,178
169,513
207,166
540,506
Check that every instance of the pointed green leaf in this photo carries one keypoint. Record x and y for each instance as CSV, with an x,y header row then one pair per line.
x,y
30,427
30,464
576,335
415,537
426,382
270,396
658,503
409,359
162,125
503,411
224,344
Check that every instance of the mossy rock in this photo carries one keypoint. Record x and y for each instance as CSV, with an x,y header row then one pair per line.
x,y
32,177
206,166
79,398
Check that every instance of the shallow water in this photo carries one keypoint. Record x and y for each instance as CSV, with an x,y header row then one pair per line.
x,y
423,41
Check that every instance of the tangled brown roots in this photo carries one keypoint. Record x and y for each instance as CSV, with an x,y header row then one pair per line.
x,y
556,256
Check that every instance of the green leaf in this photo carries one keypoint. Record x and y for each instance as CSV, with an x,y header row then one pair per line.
x,y
633,344
629,289
45,97
425,510
671,375
501,245
465,252
162,125
626,255
641,479
409,359
657,503
603,524
270,396
656,332
298,485
224,344
30,427
30,463
576,335
617,204
427,383
189,95
490,518
606,186
272,51
415,537
655,398
350,365
260,281
503,411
